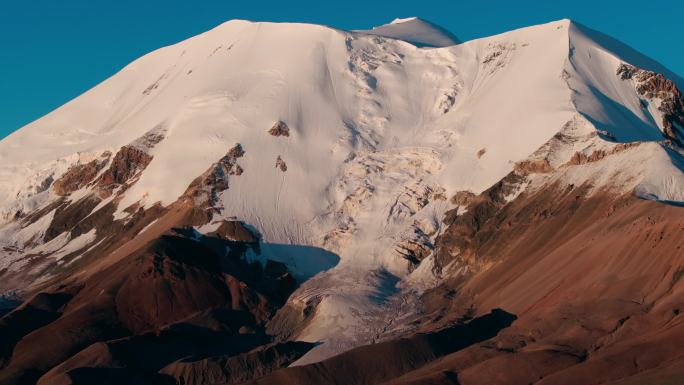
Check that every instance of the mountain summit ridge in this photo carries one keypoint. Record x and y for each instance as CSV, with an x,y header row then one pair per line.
x,y
417,31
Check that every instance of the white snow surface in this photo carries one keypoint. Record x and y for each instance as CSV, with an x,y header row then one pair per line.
x,y
415,31
400,20
381,132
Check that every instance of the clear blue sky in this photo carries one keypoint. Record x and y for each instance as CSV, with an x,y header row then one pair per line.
x,y
53,50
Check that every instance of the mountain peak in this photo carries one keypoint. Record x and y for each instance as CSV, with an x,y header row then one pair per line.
x,y
404,20
416,31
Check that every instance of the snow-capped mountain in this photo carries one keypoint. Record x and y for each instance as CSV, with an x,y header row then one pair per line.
x,y
368,163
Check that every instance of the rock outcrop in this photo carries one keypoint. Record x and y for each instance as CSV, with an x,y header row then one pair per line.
x,y
579,158
80,175
535,166
204,191
654,86
280,163
128,162
280,128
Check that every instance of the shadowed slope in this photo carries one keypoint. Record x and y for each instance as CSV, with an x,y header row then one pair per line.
x,y
379,362
180,295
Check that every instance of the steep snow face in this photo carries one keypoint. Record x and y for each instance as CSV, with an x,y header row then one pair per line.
x,y
606,99
379,134
354,104
415,31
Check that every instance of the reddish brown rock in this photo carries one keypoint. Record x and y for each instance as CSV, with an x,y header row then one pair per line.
x,y
235,231
462,198
652,85
280,163
204,191
579,158
68,215
236,151
414,251
127,163
280,128
536,166
79,176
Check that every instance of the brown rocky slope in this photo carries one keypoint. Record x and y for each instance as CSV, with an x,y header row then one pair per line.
x,y
176,297
595,284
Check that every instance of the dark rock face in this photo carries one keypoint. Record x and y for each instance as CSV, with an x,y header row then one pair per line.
x,y
463,198
80,175
236,151
279,129
536,166
280,163
150,138
235,231
124,168
651,85
204,191
579,158
415,249
68,216
128,162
